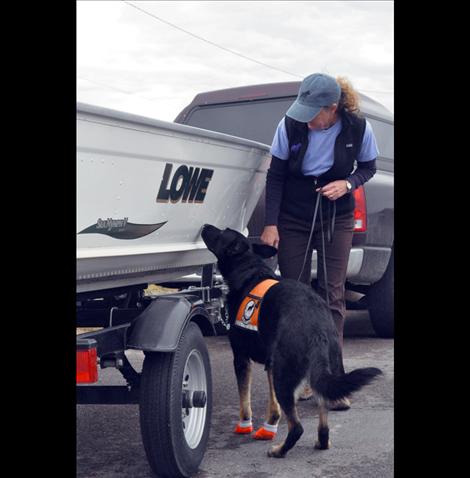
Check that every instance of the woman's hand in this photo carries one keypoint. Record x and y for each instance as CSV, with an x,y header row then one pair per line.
x,y
334,190
270,236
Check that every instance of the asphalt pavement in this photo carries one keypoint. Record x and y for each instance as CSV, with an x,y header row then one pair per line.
x,y
109,444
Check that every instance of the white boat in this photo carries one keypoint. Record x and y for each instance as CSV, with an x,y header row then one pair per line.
x,y
145,188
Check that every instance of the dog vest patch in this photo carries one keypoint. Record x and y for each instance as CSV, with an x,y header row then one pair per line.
x,y
247,315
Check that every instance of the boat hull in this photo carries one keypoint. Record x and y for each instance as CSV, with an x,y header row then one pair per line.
x,y
145,188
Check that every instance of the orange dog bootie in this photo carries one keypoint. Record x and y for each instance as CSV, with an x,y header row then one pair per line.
x,y
244,427
266,432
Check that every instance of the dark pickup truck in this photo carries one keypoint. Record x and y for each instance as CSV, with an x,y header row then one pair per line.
x,y
253,112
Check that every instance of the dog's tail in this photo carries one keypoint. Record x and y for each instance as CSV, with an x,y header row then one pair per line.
x,y
335,387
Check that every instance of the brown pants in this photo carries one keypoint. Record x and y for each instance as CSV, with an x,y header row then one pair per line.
x,y
293,239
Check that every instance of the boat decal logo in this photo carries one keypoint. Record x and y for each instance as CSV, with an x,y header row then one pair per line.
x,y
188,184
121,228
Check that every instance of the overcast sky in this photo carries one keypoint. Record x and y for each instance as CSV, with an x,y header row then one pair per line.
x,y
130,61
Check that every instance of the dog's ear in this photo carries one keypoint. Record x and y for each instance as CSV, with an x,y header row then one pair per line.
x,y
237,247
264,251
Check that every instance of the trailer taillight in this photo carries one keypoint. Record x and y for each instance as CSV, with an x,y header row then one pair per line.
x,y
360,211
87,370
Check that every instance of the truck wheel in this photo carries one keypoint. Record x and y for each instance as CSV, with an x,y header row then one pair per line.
x,y
380,300
176,406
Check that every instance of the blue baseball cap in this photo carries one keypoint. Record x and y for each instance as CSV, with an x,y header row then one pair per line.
x,y
316,91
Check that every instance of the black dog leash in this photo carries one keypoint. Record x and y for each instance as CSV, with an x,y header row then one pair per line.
x,y
330,238
331,229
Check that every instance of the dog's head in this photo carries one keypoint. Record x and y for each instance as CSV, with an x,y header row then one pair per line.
x,y
230,247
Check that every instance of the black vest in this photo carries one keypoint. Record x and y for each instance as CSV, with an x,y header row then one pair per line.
x,y
299,194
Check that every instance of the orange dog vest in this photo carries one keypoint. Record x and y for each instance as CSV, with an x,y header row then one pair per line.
x,y
247,315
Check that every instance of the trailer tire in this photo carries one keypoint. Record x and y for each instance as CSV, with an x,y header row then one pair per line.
x,y
171,451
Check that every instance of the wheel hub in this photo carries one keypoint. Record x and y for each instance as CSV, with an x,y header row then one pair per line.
x,y
196,399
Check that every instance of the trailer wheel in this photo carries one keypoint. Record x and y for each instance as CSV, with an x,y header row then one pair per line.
x,y
176,406
380,300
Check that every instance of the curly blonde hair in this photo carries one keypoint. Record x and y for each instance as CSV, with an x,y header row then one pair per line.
x,y
349,99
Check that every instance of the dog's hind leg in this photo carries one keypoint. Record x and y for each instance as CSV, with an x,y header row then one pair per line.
x,y
323,442
285,395
242,367
269,429
295,432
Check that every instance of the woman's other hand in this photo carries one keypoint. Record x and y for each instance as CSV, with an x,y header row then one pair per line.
x,y
270,236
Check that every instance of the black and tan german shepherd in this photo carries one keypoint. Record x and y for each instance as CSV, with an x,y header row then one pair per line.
x,y
296,339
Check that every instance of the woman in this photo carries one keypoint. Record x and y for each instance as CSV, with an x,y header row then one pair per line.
x,y
314,151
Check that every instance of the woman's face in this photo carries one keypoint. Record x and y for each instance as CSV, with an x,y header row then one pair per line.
x,y
324,119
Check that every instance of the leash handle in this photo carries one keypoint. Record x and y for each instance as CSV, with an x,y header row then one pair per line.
x,y
332,225
318,202
311,234
324,259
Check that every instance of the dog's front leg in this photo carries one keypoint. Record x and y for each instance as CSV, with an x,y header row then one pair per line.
x,y
273,414
242,367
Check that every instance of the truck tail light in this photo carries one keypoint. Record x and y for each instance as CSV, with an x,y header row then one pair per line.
x,y
87,370
360,211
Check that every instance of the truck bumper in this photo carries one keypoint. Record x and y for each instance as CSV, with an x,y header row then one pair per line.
x,y
373,265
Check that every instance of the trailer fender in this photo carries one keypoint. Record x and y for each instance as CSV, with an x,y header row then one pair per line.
x,y
159,327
